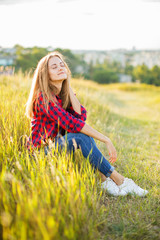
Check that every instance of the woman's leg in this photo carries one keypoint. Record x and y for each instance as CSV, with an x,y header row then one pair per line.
x,y
79,140
88,147
115,176
102,176
116,184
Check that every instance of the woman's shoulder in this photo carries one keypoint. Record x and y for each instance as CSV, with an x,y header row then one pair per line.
x,y
41,97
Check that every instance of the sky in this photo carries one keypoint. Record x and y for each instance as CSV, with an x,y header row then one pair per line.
x,y
81,24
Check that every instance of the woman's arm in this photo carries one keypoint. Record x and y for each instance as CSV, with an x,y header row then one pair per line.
x,y
74,101
88,130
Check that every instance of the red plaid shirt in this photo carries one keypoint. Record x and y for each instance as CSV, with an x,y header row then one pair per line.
x,y
47,125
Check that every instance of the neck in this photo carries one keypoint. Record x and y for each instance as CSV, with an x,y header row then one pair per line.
x,y
58,85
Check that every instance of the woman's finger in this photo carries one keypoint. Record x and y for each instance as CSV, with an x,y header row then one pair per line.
x,y
112,159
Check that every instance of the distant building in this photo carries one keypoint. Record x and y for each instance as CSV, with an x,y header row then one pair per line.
x,y
124,78
94,57
79,69
133,57
118,56
11,51
50,49
6,60
149,58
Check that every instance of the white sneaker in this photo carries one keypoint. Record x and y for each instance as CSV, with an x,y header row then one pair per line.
x,y
129,186
112,188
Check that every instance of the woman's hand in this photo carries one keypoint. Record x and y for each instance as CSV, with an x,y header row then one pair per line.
x,y
112,151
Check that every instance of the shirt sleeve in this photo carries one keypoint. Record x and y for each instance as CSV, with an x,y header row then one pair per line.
x,y
62,117
82,116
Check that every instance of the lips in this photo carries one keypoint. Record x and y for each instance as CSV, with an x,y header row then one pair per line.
x,y
61,73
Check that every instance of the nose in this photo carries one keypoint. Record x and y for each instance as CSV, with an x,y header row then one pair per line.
x,y
60,67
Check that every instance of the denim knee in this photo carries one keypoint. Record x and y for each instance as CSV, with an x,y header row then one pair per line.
x,y
85,137
88,140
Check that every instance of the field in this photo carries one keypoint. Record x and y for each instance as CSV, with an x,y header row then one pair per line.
x,y
59,196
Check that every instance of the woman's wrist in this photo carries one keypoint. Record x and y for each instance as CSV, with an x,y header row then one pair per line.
x,y
106,139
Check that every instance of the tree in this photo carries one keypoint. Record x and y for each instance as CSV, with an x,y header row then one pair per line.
x,y
129,71
155,73
105,76
27,58
142,73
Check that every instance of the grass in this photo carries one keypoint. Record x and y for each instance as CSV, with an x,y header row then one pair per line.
x,y
59,196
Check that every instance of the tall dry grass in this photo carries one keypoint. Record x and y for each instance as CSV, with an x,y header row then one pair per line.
x,y
58,196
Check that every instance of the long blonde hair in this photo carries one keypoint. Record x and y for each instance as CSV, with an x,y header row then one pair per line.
x,y
41,83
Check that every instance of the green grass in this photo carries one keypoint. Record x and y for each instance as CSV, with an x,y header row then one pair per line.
x,y
59,196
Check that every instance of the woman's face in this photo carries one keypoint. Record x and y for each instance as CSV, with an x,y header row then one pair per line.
x,y
56,69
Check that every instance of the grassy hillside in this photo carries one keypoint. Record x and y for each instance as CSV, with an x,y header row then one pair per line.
x,y
58,196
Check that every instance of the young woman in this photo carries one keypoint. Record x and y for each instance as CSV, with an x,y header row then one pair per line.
x,y
56,114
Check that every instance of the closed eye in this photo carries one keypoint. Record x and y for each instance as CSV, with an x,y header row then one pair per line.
x,y
62,65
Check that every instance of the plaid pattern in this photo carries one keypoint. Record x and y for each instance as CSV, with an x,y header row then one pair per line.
x,y
48,125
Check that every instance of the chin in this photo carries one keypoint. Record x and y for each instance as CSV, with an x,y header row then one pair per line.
x,y
59,80
64,79
64,76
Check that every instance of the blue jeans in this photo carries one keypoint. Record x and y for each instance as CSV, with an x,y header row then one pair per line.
x,y
73,141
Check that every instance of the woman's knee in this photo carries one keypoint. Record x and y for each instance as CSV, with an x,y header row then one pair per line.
x,y
90,139
83,136
79,139
86,137
86,140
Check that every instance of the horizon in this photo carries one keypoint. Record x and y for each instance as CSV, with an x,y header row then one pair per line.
x,y
100,50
